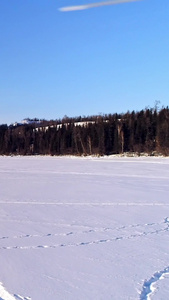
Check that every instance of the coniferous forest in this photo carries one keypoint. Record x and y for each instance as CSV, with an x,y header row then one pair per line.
x,y
146,131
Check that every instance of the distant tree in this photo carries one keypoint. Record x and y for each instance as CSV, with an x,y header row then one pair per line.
x,y
143,131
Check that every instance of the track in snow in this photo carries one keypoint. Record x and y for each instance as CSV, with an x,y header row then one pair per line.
x,y
149,285
86,237
131,231
6,202
4,295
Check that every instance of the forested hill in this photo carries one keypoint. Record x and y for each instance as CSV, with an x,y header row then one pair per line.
x,y
144,131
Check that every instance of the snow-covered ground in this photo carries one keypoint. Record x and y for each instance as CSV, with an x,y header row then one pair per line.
x,y
84,228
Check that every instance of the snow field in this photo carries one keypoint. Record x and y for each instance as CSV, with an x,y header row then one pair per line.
x,y
84,228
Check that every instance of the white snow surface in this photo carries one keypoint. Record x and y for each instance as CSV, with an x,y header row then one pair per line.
x,y
84,228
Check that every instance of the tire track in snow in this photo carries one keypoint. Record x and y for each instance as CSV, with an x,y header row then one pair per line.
x,y
90,204
99,174
99,241
149,285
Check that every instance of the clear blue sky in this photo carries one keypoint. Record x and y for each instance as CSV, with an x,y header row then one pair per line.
x,y
101,60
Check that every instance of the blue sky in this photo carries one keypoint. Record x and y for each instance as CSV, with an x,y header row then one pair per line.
x,y
101,60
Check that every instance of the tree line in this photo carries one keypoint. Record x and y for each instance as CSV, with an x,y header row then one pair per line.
x,y
146,131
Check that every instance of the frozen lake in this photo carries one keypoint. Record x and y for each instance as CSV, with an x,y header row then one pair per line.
x,y
84,228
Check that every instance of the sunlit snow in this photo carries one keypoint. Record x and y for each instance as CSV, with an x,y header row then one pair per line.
x,y
84,228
